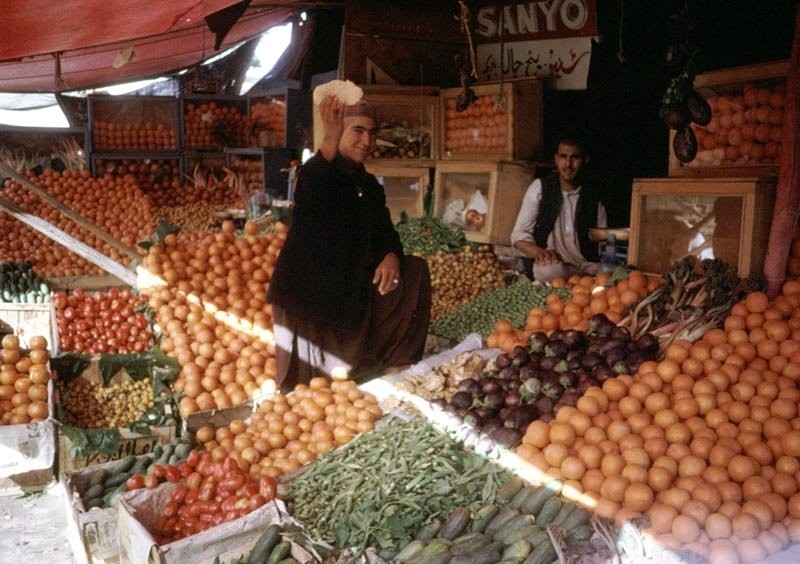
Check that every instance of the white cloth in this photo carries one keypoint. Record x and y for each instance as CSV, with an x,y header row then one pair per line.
x,y
563,238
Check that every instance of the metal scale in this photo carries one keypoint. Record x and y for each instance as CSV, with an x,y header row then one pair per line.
x,y
612,246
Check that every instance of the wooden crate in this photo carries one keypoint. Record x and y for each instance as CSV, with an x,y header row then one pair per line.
x,y
726,218
34,142
216,418
29,320
214,122
728,86
499,186
480,133
405,188
281,118
133,123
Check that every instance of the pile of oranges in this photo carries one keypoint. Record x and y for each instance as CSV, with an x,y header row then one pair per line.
x,y
705,443
590,296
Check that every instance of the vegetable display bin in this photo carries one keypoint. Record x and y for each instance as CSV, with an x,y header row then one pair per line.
x,y
215,122
744,136
133,123
34,146
492,129
483,199
725,218
280,118
157,174
262,169
204,163
405,188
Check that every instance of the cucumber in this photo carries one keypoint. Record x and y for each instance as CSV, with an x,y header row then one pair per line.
x,y
499,520
577,518
538,538
140,466
98,477
551,508
182,450
437,551
429,531
482,517
566,510
264,545
94,502
545,553
116,479
158,450
522,496
164,458
508,489
523,533
489,554
535,503
456,523
520,521
124,464
111,500
518,551
469,543
94,491
410,550
288,560
281,551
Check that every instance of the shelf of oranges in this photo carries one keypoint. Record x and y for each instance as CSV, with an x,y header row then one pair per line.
x,y
214,122
133,123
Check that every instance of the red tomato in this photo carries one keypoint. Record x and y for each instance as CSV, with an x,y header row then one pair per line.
x,y
191,496
172,473
206,518
249,489
194,480
268,487
233,482
193,459
179,493
231,515
228,504
210,507
255,502
150,481
206,493
170,509
195,509
135,482
157,470
218,518
230,466
185,470
205,467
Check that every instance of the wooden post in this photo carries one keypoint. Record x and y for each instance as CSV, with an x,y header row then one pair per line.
x,y
75,245
68,211
787,199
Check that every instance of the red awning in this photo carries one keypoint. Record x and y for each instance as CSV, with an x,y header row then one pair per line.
x,y
48,46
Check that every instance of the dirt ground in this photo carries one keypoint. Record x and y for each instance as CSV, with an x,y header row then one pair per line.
x,y
35,525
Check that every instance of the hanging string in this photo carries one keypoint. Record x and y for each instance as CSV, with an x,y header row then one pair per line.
x,y
464,18
499,99
620,50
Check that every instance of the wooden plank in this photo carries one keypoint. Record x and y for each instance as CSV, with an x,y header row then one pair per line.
x,y
75,245
67,211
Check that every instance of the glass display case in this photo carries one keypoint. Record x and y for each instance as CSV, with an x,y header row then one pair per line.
x,y
504,122
405,188
483,198
725,218
280,119
133,123
746,128
215,122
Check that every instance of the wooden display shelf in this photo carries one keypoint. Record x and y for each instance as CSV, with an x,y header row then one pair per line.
x,y
405,187
725,218
481,133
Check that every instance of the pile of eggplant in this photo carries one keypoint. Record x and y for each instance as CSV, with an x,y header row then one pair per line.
x,y
534,381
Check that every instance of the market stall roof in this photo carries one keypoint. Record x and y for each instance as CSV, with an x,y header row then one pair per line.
x,y
78,44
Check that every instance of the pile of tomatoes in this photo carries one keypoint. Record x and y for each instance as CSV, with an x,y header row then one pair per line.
x,y
103,322
211,493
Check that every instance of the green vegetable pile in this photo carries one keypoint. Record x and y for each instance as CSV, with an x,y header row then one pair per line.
x,y
512,302
427,235
385,485
20,285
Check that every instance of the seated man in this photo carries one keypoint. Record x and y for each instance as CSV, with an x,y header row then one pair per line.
x,y
552,227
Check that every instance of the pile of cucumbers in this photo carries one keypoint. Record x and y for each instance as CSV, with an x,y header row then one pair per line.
x,y
106,484
513,530
20,285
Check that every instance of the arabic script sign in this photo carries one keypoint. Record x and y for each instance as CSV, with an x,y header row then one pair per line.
x,y
548,39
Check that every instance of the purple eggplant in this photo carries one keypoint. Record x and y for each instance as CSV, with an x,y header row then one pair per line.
x,y
461,413
489,385
503,360
601,373
513,399
574,364
537,342
520,417
438,403
614,355
462,400
531,389
469,385
585,385
647,343
621,367
555,349
491,425
568,379
526,372
494,400
472,419
484,412
508,373
552,390
548,363
621,333
520,355
591,359
574,339
547,417
601,325
506,437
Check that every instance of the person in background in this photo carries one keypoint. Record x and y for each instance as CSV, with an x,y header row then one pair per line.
x,y
345,298
552,226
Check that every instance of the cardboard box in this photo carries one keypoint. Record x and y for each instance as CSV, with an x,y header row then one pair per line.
x,y
138,511
92,534
29,320
129,444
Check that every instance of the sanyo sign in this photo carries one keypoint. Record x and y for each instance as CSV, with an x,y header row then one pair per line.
x,y
550,18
